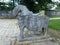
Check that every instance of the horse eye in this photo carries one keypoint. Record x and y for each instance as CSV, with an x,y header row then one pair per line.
x,y
20,11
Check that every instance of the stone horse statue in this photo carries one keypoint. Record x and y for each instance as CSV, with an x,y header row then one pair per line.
x,y
29,20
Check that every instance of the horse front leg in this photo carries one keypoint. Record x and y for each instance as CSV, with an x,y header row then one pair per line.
x,y
21,26
21,32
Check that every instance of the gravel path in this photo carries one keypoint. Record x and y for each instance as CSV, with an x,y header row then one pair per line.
x,y
54,18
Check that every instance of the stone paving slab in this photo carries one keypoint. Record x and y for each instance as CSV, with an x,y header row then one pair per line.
x,y
44,41
9,29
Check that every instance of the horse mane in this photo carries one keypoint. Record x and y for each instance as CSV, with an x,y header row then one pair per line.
x,y
24,10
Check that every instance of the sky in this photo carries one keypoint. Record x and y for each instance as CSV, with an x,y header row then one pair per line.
x,y
9,0
56,0
4,0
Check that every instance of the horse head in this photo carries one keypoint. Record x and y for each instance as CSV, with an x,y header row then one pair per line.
x,y
21,9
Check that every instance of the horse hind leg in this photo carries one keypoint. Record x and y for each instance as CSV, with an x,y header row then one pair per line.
x,y
43,31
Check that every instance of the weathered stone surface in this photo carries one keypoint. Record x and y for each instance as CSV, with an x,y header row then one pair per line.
x,y
29,20
33,22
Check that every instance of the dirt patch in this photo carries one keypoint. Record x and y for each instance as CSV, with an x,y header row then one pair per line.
x,y
8,17
54,33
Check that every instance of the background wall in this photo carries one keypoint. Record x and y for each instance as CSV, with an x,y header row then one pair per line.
x,y
52,12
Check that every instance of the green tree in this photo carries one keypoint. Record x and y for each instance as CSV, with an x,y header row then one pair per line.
x,y
6,5
32,5
58,6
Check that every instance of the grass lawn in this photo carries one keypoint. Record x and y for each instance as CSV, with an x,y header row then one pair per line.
x,y
54,16
55,24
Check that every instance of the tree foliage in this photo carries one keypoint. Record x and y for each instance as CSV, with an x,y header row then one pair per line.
x,y
32,6
6,6
58,6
